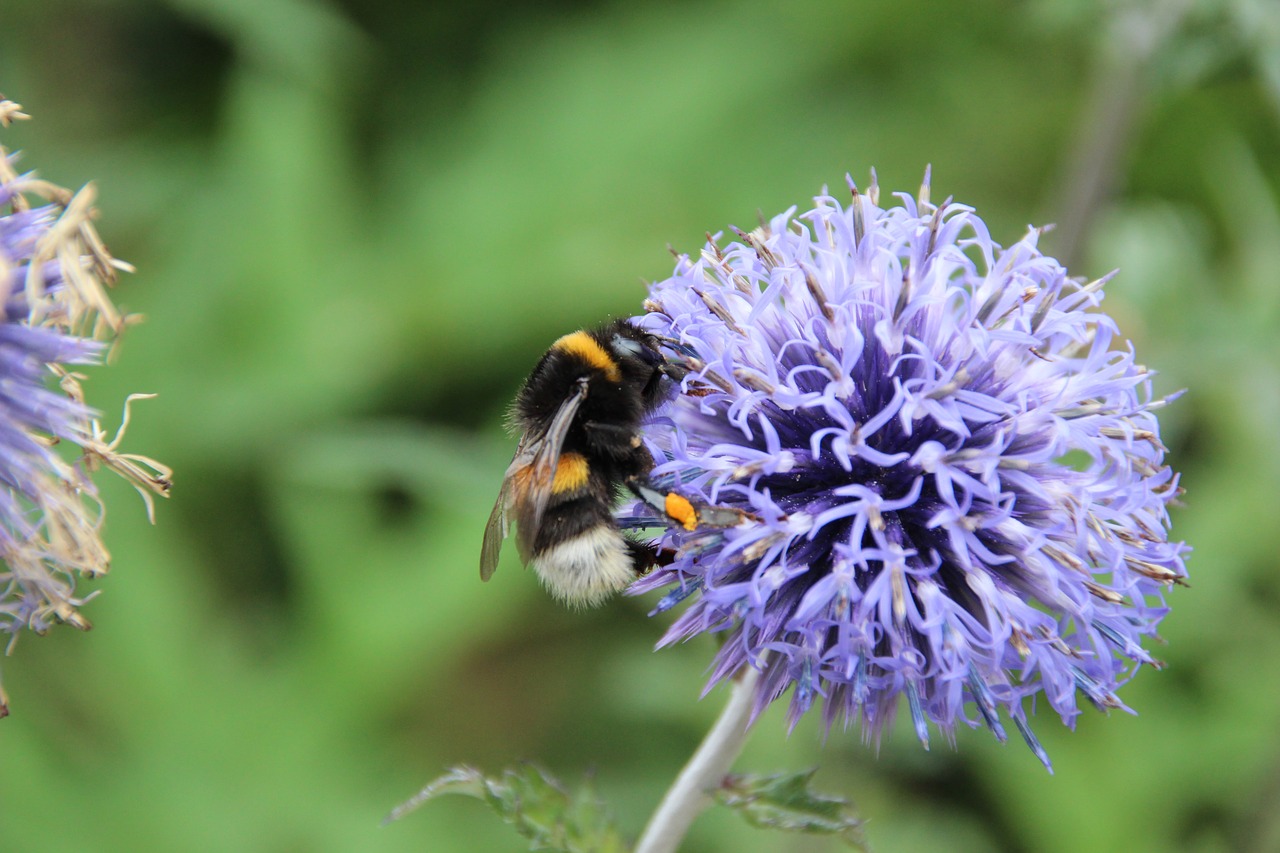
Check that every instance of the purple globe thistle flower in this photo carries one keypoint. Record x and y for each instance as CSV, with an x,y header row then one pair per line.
x,y
956,466
53,274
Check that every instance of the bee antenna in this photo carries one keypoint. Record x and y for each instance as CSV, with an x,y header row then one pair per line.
x,y
682,348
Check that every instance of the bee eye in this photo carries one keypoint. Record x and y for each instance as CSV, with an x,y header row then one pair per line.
x,y
626,345
635,349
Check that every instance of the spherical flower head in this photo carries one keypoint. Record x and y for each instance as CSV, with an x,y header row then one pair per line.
x,y
53,273
954,462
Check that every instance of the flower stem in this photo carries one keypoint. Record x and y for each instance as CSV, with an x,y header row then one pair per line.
x,y
689,795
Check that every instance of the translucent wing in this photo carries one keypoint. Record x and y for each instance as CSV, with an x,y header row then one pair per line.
x,y
494,532
515,488
526,487
534,471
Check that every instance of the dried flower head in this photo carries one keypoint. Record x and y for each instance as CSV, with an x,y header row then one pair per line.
x,y
956,464
53,276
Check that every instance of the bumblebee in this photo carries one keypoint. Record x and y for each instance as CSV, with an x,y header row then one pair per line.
x,y
579,416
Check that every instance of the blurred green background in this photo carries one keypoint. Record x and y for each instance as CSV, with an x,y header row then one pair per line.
x,y
356,226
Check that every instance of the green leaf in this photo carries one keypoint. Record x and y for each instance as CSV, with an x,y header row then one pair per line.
x,y
537,805
784,801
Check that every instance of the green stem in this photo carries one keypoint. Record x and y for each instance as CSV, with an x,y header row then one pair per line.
x,y
690,794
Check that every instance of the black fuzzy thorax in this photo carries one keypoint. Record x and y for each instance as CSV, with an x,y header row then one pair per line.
x,y
606,428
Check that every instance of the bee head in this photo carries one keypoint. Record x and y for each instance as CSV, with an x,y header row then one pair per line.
x,y
643,350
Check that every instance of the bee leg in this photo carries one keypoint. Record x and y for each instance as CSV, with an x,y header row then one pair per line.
x,y
674,369
653,391
620,443
613,432
651,388
646,556
689,513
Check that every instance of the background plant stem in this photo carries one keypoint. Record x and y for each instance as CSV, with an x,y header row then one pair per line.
x,y
1117,106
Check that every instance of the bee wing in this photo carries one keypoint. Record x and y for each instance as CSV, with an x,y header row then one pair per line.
x,y
540,460
526,487
494,532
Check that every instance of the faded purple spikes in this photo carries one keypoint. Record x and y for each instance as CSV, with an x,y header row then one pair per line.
x,y
54,271
956,464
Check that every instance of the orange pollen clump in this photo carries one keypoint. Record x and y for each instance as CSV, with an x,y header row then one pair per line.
x,y
682,511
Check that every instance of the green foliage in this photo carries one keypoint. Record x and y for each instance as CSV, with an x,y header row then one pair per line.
x,y
553,818
784,801
536,805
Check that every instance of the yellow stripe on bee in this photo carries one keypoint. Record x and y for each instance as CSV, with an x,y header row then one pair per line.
x,y
572,470
682,511
589,350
